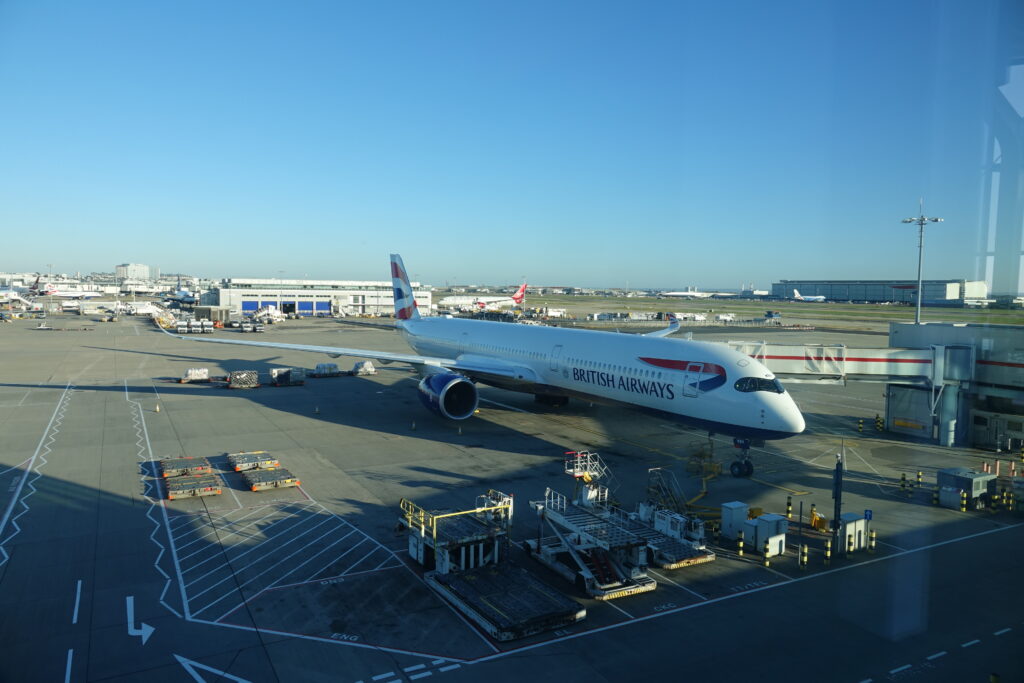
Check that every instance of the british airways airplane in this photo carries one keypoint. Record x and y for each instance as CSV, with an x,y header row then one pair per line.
x,y
706,385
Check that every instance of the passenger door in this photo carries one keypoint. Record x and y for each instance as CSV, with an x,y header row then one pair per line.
x,y
556,358
691,378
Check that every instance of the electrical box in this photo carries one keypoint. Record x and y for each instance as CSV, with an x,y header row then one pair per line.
x,y
975,483
734,516
853,524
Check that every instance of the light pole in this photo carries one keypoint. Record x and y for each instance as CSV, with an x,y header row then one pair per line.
x,y
920,220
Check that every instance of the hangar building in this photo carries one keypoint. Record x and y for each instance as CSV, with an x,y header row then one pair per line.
x,y
936,292
315,297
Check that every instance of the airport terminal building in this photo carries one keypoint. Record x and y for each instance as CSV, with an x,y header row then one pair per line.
x,y
935,292
314,297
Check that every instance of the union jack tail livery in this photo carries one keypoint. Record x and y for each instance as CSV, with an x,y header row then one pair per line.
x,y
405,302
520,294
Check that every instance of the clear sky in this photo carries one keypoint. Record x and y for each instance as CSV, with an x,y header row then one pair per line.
x,y
659,144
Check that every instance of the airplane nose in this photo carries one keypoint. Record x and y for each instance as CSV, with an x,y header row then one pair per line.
x,y
794,421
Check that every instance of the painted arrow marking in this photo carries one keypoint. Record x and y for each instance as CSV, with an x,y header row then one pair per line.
x,y
144,630
191,666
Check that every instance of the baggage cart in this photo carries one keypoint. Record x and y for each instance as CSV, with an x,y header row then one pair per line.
x,y
188,486
253,460
175,467
261,480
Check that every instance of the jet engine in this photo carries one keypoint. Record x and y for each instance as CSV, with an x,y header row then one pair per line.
x,y
449,394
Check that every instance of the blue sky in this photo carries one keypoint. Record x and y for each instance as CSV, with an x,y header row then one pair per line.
x,y
590,143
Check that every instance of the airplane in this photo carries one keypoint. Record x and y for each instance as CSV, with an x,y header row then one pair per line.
x,y
490,303
51,290
693,294
704,384
810,299
181,296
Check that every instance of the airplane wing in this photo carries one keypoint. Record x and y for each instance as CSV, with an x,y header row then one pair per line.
x,y
474,366
673,326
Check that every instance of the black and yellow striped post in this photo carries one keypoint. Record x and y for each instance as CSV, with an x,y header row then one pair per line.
x,y
860,426
872,540
963,501
716,532
1011,501
739,543
828,552
935,497
903,483
767,562
849,544
803,556
996,500
879,423
789,507
920,478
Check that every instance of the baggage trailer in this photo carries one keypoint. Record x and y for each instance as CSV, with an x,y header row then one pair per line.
x,y
243,379
188,486
287,377
261,480
252,460
175,467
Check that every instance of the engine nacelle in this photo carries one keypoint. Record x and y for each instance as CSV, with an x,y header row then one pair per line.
x,y
449,394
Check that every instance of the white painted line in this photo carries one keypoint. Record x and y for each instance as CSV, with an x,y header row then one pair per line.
x,y
867,680
13,467
1002,631
422,675
612,604
21,483
140,420
78,599
902,550
970,642
314,574
899,669
319,552
438,661
356,564
239,586
936,655
255,547
414,667
67,669
450,667
383,676
677,585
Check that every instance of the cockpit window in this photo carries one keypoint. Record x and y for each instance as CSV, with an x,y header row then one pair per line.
x,y
747,384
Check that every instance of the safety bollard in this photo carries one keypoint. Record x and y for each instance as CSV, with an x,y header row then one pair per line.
x,y
158,407
872,539
920,478
860,426
849,544
739,543
789,507
935,497
995,501
767,562
963,501
828,552
803,556
903,483
1011,501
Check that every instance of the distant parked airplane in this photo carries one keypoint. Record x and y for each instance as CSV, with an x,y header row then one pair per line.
x,y
708,385
51,290
490,303
810,299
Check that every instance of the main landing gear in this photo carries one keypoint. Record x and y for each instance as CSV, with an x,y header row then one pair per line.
x,y
743,467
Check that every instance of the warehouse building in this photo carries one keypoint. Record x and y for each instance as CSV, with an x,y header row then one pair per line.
x,y
935,292
314,297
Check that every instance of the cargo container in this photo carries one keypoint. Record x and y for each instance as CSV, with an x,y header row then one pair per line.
x,y
174,467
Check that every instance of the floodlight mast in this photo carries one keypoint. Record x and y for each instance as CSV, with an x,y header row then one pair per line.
x,y
920,220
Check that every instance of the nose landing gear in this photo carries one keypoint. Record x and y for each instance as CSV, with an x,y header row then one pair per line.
x,y
743,467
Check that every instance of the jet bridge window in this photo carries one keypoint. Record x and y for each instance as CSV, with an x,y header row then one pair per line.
x,y
748,384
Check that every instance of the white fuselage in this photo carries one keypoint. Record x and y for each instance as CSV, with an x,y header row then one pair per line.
x,y
695,381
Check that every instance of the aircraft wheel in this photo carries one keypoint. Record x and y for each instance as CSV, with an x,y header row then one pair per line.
x,y
736,468
748,468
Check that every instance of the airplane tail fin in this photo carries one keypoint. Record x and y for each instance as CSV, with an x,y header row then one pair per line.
x,y
520,296
796,294
405,302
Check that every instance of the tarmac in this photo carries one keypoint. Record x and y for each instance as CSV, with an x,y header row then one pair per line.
x,y
102,578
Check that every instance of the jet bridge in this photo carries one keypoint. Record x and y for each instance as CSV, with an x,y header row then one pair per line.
x,y
936,374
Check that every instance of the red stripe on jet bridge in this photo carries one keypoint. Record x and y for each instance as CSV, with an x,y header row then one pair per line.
x,y
1000,363
852,360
